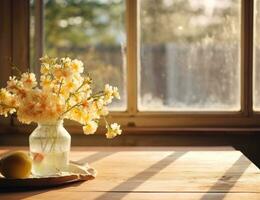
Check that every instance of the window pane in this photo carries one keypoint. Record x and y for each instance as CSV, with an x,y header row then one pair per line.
x,y
94,32
256,84
189,55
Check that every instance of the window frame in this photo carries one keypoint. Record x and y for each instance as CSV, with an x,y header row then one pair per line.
x,y
132,119
176,119
246,117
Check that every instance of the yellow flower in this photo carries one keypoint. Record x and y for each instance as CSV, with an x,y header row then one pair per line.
x,y
77,114
13,85
47,60
28,80
57,72
85,118
90,128
65,60
77,66
63,93
62,72
8,102
46,83
110,93
113,130
69,86
45,69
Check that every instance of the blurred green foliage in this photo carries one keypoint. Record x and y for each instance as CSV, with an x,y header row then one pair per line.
x,y
90,30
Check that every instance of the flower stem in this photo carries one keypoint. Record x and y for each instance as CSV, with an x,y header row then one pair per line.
x,y
60,84
98,94
74,106
107,125
72,93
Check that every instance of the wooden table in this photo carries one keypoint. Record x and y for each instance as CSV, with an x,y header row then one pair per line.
x,y
159,174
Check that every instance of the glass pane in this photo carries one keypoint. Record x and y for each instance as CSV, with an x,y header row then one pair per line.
x,y
189,55
93,31
256,73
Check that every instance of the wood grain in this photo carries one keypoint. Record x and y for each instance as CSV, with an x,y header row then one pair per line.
x,y
5,47
58,195
158,173
20,34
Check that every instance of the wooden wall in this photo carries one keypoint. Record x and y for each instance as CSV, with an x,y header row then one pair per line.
x,y
14,37
5,40
14,40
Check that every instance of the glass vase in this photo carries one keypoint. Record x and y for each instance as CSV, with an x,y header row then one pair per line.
x,y
49,148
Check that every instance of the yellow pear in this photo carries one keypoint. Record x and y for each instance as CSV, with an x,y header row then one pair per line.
x,y
16,165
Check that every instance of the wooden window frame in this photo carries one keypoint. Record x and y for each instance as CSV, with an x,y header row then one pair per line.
x,y
133,120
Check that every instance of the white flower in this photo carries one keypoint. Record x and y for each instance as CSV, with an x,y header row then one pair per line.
x,y
113,130
108,89
116,93
90,128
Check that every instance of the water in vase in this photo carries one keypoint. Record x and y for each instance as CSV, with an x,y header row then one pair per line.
x,y
49,149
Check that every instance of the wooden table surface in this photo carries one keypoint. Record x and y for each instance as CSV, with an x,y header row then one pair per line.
x,y
157,173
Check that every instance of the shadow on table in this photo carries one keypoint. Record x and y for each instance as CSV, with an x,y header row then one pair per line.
x,y
228,180
94,157
134,181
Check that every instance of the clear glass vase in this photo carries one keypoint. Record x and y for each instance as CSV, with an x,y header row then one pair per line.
x,y
49,149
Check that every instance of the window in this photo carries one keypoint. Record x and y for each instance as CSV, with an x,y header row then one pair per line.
x,y
178,63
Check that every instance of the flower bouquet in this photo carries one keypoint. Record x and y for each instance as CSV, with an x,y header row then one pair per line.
x,y
63,92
